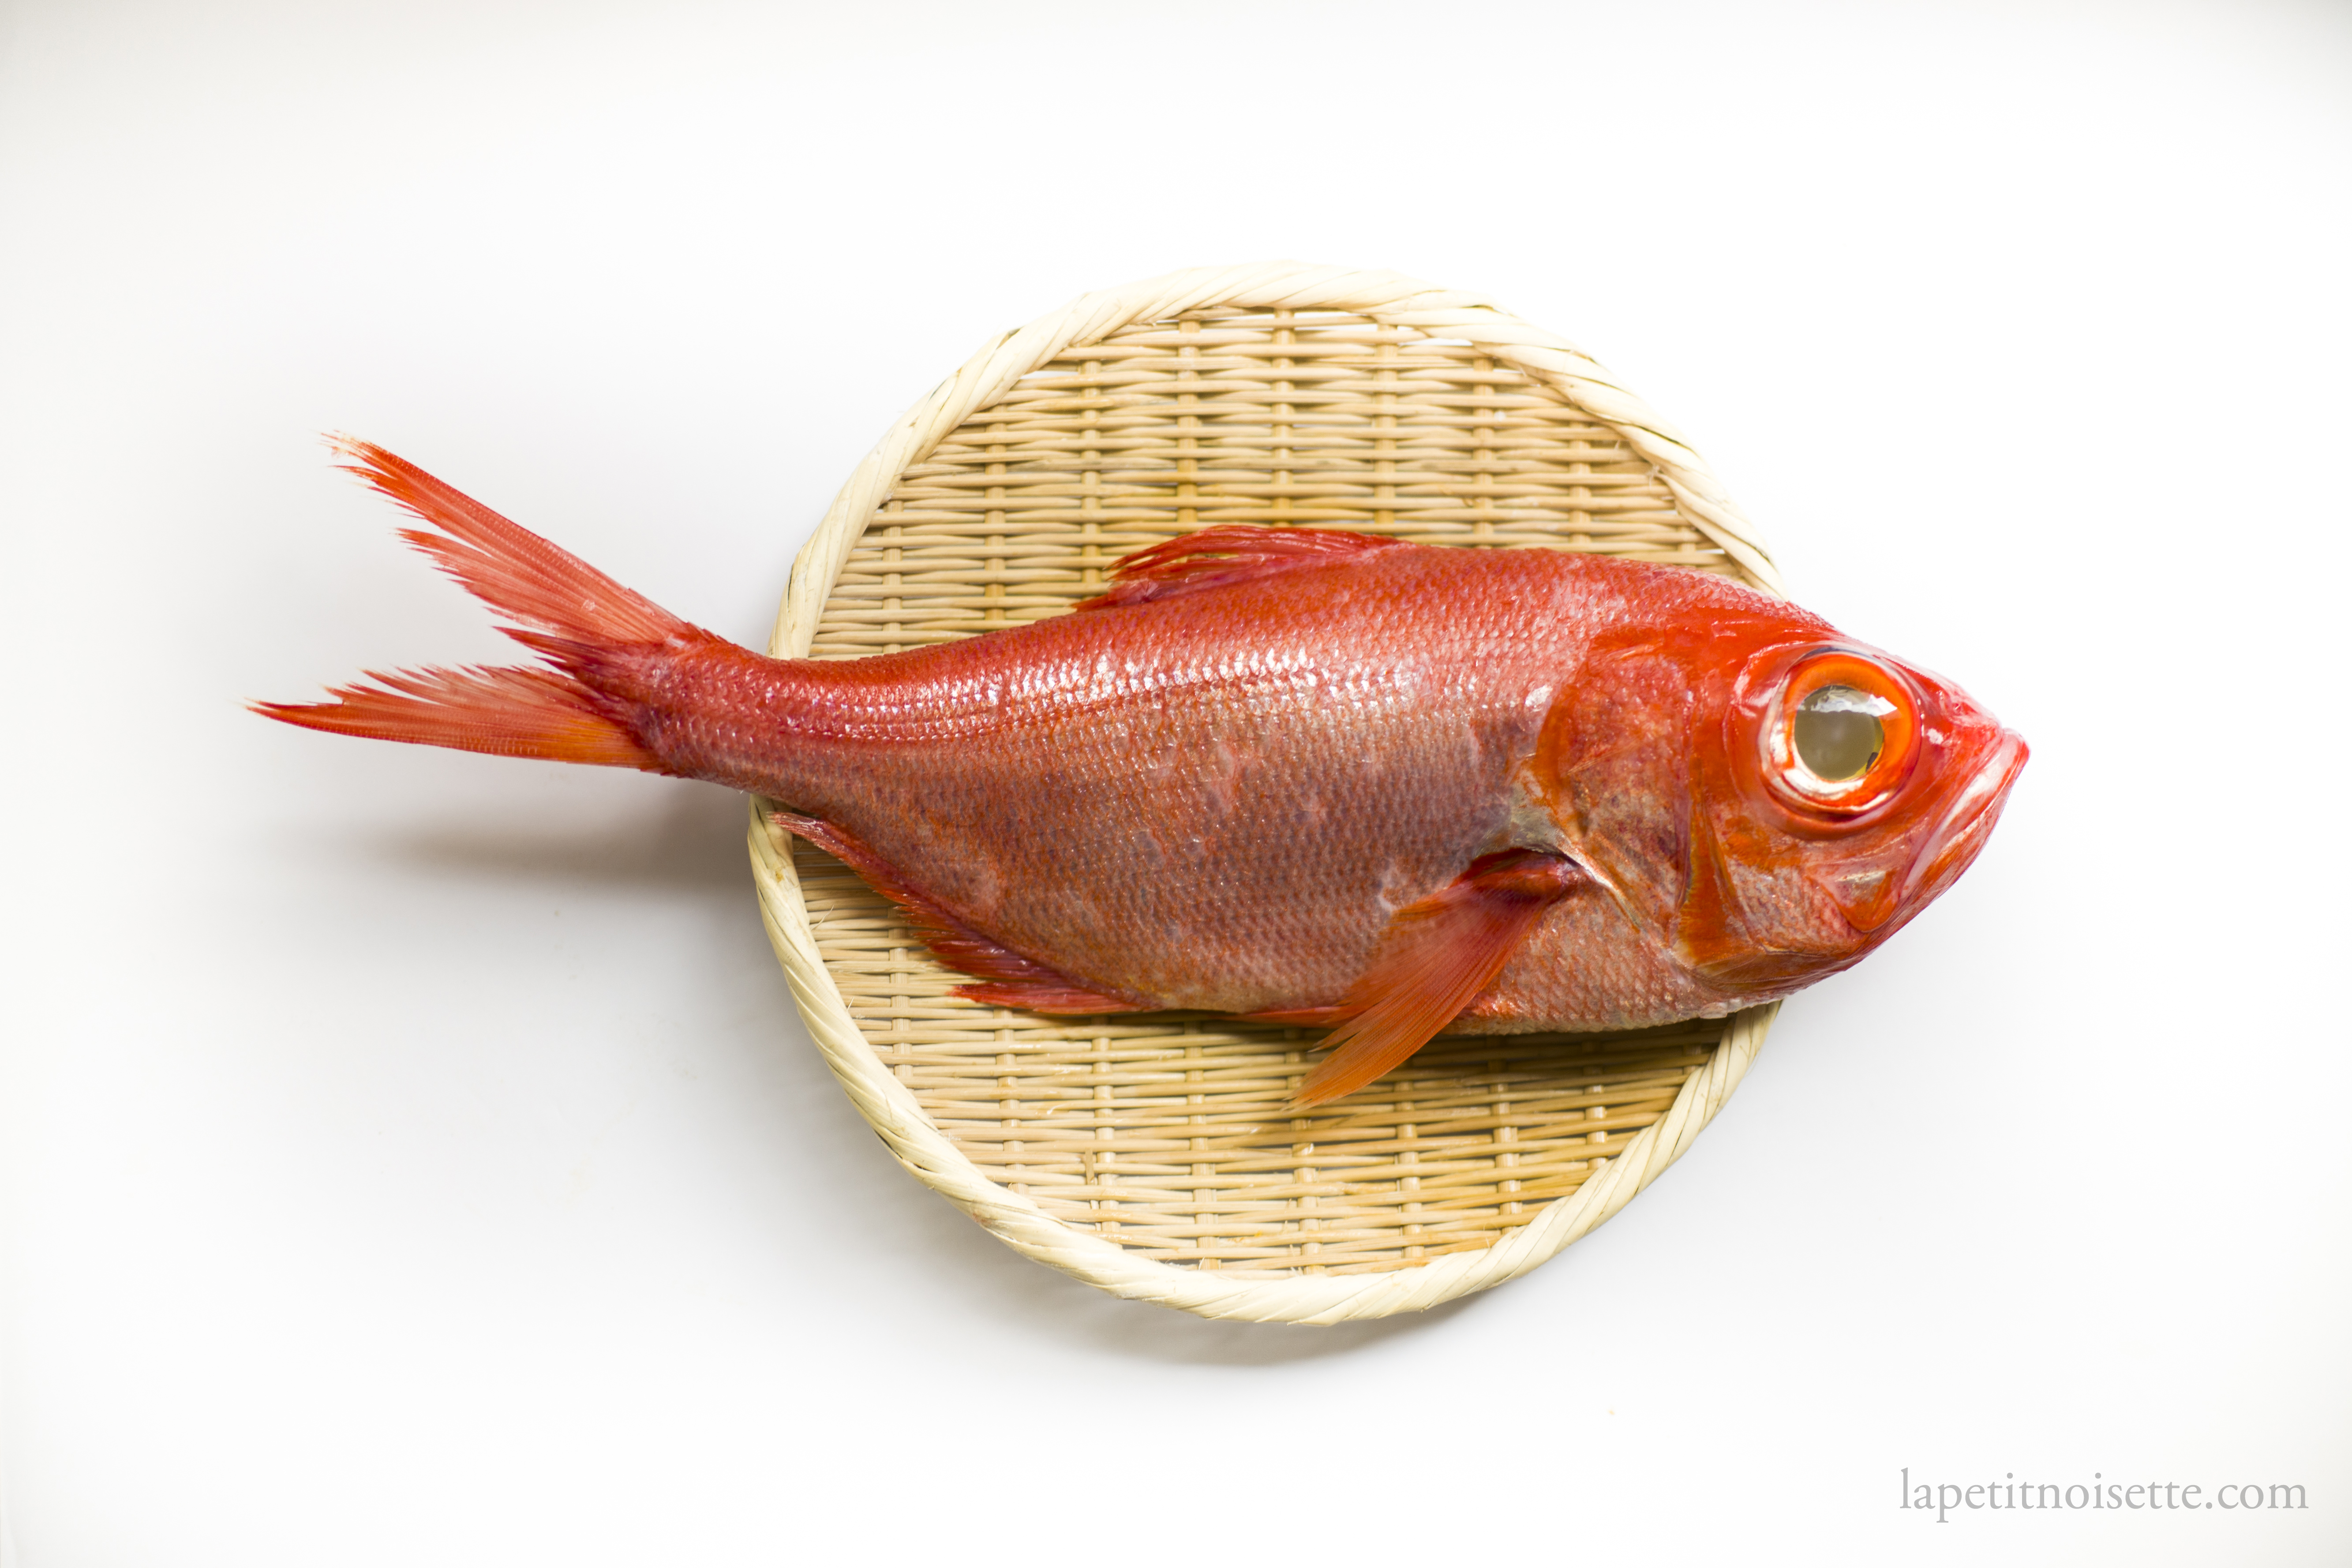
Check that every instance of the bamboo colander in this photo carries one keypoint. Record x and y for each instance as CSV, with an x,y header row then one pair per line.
x,y
1154,1156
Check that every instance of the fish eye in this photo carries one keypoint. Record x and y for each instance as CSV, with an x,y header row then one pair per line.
x,y
1842,735
1838,735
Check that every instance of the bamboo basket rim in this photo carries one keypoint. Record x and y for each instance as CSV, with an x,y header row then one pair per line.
x,y
918,1144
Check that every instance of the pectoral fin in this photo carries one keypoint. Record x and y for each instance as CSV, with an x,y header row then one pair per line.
x,y
1436,955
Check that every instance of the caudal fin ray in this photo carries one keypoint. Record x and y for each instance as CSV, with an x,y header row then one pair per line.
x,y
502,711
595,633
504,564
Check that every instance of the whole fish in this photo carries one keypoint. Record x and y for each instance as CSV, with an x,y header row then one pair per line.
x,y
1295,775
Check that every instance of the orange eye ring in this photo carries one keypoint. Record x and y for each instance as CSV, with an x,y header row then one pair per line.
x,y
1846,716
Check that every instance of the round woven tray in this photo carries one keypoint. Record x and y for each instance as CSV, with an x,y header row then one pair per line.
x,y
1153,1155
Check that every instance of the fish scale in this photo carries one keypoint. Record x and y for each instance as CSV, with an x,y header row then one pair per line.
x,y
1099,827
1307,775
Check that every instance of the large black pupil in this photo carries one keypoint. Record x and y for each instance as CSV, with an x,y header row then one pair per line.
x,y
1836,740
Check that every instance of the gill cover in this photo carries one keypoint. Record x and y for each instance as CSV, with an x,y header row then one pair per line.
x,y
1763,797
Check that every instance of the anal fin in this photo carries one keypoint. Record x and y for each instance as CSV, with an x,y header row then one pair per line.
x,y
1436,955
1007,979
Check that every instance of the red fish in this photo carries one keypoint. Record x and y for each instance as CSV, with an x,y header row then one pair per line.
x,y
1302,775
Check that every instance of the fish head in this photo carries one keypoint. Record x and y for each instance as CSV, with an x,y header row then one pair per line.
x,y
1768,799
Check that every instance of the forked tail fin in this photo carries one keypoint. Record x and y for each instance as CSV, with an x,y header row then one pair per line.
x,y
562,714
505,711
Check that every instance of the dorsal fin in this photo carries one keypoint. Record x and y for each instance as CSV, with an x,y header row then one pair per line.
x,y
1230,552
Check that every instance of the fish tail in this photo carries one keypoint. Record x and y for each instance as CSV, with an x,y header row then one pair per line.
x,y
577,712
506,712
504,564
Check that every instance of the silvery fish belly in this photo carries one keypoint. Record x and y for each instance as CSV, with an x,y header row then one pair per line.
x,y
1311,776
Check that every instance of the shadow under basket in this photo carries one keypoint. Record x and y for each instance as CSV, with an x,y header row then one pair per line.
x,y
1154,1156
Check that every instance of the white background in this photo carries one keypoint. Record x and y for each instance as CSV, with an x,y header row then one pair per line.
x,y
415,1157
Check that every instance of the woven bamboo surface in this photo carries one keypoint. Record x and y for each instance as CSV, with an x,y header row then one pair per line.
x,y
1154,1155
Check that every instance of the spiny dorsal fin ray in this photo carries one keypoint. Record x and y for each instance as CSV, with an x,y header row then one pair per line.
x,y
1231,552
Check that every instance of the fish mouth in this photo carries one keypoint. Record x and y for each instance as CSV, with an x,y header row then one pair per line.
x,y
1967,822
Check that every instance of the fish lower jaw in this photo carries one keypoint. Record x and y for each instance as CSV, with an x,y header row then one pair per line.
x,y
1968,822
